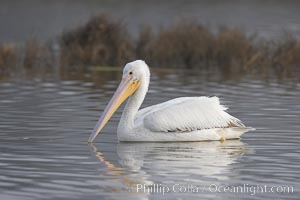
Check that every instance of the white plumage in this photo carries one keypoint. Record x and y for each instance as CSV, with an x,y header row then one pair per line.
x,y
180,119
188,114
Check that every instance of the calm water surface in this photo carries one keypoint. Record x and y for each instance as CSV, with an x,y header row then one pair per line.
x,y
42,19
45,124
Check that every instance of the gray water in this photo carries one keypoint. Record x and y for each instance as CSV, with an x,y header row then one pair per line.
x,y
45,124
44,19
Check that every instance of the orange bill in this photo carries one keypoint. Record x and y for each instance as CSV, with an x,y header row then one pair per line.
x,y
126,88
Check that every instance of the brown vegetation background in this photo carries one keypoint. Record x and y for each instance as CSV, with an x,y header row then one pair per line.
x,y
103,41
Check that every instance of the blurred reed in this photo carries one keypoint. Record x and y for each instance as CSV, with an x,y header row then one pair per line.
x,y
103,41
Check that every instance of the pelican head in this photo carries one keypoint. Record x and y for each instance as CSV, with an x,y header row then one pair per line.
x,y
134,74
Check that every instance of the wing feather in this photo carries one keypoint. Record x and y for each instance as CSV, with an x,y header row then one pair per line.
x,y
187,114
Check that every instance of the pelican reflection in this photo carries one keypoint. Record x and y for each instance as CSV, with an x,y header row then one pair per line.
x,y
148,163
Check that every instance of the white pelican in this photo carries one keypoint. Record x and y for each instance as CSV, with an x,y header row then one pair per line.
x,y
180,119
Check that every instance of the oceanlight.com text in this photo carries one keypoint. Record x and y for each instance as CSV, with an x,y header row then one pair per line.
x,y
211,188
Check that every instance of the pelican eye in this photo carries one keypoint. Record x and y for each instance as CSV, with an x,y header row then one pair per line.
x,y
130,73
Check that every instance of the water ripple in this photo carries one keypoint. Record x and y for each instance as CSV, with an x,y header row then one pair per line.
x,y
44,127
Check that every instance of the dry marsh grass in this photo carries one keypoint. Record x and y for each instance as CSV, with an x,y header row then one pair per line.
x,y
99,42
8,58
31,58
181,45
106,42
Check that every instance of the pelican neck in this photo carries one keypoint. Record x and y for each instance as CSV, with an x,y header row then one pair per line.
x,y
133,104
